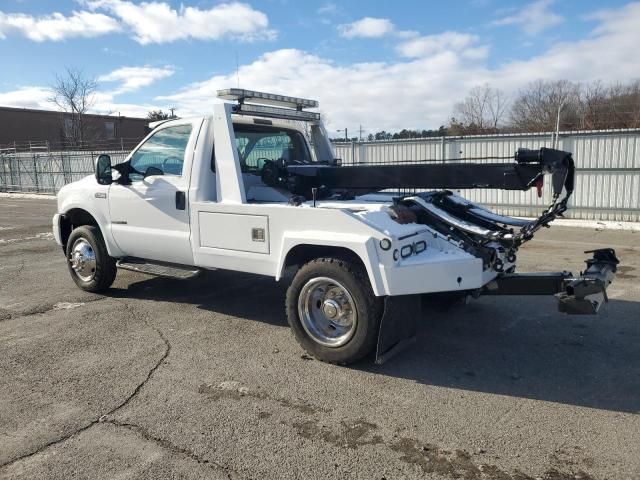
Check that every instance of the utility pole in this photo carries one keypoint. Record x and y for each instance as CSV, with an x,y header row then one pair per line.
x,y
346,135
360,136
172,114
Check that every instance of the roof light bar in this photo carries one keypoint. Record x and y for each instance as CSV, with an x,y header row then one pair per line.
x,y
275,112
249,96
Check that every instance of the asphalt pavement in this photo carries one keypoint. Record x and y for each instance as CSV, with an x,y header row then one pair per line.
x,y
162,378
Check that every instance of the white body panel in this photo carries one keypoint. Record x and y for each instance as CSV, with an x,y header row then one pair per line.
x,y
234,232
145,222
87,195
217,227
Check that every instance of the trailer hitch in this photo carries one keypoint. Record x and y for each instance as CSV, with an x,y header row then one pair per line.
x,y
579,295
585,294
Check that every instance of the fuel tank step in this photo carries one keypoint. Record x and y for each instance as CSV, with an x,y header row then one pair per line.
x,y
159,269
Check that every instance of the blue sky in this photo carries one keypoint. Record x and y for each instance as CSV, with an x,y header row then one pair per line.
x,y
381,64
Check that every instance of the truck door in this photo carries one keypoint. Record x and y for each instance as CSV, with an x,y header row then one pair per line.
x,y
150,217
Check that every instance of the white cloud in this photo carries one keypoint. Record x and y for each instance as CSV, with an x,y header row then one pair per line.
x,y
533,18
607,54
328,9
417,90
367,27
27,97
420,91
158,22
57,26
131,79
431,44
134,78
38,98
381,95
139,110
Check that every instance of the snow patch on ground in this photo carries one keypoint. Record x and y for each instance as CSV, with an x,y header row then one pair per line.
x,y
37,236
33,196
67,305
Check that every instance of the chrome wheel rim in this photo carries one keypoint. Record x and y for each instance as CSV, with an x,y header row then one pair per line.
x,y
327,312
83,260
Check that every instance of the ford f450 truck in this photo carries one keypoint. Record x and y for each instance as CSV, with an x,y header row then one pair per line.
x,y
256,188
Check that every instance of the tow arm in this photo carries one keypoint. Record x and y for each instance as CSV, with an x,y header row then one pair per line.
x,y
579,295
476,229
472,227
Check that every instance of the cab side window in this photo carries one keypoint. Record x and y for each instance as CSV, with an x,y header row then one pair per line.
x,y
257,144
163,153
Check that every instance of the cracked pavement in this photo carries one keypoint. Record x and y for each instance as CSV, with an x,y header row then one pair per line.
x,y
162,378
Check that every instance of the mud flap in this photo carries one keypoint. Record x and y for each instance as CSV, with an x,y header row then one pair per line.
x,y
398,325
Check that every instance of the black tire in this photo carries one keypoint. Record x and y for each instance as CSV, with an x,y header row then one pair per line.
x,y
369,309
105,266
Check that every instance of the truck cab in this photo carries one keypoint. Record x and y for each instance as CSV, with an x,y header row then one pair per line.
x,y
256,188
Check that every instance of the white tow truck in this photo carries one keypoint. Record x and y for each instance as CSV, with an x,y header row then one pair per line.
x,y
256,188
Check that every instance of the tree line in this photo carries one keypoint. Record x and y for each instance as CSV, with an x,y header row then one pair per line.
x,y
535,108
543,105
538,107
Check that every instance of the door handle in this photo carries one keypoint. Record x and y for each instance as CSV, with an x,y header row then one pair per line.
x,y
181,201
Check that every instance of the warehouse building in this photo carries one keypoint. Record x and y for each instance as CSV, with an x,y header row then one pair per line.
x,y
22,125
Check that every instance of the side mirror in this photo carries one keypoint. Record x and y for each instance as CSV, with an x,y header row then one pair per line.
x,y
103,170
152,172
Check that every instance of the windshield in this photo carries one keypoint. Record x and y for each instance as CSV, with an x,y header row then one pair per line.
x,y
258,143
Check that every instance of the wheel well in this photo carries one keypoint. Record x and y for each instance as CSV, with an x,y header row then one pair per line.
x,y
74,218
301,254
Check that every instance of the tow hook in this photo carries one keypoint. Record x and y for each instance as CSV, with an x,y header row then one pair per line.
x,y
587,293
584,294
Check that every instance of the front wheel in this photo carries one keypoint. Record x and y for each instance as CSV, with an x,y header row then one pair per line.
x,y
91,267
333,311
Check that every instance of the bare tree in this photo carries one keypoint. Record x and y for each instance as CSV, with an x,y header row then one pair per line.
x,y
594,102
616,106
497,107
481,111
74,93
536,106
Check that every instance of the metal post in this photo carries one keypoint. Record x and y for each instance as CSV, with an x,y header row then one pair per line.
x,y
442,149
555,143
18,164
4,172
35,169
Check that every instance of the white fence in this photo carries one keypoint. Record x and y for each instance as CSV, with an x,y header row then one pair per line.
x,y
607,168
607,178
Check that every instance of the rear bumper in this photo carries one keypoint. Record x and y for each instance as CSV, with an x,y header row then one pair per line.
x,y
434,272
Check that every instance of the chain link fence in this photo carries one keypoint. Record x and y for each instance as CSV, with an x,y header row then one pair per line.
x,y
607,162
38,167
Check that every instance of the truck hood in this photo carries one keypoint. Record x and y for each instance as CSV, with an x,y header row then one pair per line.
x,y
79,186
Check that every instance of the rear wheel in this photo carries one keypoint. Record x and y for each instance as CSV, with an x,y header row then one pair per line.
x,y
332,310
91,267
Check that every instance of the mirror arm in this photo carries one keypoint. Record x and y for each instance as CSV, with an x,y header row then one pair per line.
x,y
125,169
